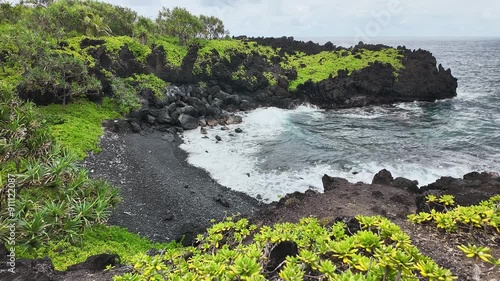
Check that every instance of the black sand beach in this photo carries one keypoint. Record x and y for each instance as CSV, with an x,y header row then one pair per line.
x,y
163,196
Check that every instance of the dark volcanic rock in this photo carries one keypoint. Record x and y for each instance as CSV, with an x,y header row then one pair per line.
x,y
420,80
33,270
97,263
404,183
280,252
383,177
330,183
188,122
471,190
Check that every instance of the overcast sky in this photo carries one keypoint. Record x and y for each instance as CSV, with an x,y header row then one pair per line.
x,y
342,18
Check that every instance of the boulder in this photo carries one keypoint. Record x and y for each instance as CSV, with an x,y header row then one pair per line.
x,y
189,110
164,116
97,262
212,122
188,122
233,100
234,119
384,177
406,184
330,183
151,120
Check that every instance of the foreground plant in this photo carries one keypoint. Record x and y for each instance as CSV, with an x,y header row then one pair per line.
x,y
238,250
51,198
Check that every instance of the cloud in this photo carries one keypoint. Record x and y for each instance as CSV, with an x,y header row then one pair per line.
x,y
339,17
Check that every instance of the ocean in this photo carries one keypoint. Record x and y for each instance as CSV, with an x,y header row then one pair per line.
x,y
283,151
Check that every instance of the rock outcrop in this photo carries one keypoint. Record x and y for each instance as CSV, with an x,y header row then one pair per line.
x,y
213,84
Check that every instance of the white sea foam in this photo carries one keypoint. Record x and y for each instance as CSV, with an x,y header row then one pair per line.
x,y
234,162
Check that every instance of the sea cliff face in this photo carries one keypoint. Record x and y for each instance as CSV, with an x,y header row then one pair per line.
x,y
211,78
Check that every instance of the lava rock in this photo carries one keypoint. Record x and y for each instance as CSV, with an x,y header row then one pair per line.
x,y
164,116
329,183
188,122
384,177
97,263
233,119
406,184
136,128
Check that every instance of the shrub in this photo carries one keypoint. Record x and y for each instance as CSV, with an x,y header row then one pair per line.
x,y
237,250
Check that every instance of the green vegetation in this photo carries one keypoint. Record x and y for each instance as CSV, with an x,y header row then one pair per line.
x,y
96,240
78,125
320,66
180,23
174,52
237,250
484,217
49,197
115,44
149,82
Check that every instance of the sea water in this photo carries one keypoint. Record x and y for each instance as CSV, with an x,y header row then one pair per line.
x,y
283,151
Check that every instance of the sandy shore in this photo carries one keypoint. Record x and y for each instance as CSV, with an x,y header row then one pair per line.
x,y
163,196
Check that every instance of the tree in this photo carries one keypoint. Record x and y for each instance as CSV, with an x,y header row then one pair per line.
x,y
37,3
62,76
96,26
180,23
213,27
143,29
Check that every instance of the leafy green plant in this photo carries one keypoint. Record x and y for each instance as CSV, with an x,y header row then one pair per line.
x,y
237,250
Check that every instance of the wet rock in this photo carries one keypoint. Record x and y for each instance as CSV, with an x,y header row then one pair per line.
x,y
246,105
188,122
224,128
406,184
212,122
329,183
203,131
218,138
234,120
384,177
238,130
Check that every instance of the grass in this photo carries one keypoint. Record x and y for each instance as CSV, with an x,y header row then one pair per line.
x,y
115,43
174,52
78,125
99,239
320,66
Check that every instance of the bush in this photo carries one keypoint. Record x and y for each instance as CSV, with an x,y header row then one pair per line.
x,y
50,197
237,250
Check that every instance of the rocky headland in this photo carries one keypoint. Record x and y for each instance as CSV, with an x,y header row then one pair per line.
x,y
164,198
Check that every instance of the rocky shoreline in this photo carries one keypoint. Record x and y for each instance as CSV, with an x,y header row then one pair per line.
x,y
165,198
